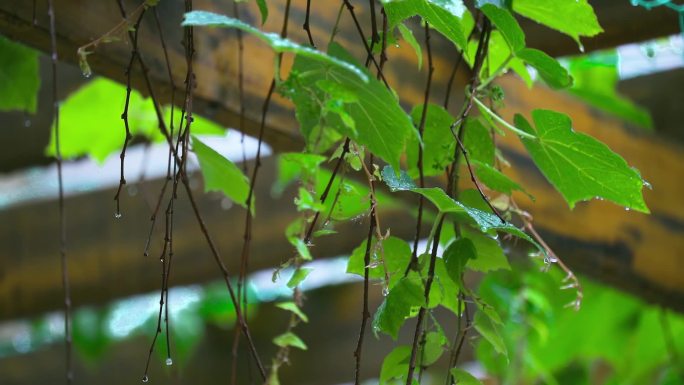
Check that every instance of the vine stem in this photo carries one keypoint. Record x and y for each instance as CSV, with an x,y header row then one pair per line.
x,y
368,49
496,117
413,264
306,25
62,218
365,312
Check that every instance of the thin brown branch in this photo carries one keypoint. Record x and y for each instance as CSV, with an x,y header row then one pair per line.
x,y
306,25
365,313
369,50
62,218
413,264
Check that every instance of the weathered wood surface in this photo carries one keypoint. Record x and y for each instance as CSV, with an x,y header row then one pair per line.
x,y
79,23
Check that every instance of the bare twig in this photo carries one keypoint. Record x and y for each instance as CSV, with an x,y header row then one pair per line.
x,y
62,218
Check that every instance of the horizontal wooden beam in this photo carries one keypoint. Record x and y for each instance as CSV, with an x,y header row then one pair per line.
x,y
635,252
79,23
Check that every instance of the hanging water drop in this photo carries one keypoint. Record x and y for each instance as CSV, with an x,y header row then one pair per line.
x,y
581,47
27,123
627,209
145,378
647,185
385,291
117,215
169,361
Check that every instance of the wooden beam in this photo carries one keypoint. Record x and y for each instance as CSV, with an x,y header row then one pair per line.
x,y
216,96
635,252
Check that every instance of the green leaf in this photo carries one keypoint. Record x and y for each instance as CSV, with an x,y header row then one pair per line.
x,y
99,103
292,307
456,255
298,276
392,255
395,364
407,35
220,174
464,378
263,9
485,221
289,339
579,166
398,305
380,123
490,332
438,141
302,248
574,18
19,76
507,25
277,43
595,81
495,179
443,15
549,69
490,256
435,342
478,142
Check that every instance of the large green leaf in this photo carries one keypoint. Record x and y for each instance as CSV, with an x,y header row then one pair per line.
x,y
489,254
464,378
395,364
438,141
220,174
495,179
400,303
279,44
380,123
573,17
90,121
490,331
579,166
443,15
457,255
19,76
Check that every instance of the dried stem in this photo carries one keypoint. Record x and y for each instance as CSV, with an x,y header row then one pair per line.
x,y
413,264
62,218
365,313
306,25
124,114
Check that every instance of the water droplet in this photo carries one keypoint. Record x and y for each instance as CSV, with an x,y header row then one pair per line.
x,y
161,259
385,291
169,361
581,47
309,243
146,254
396,45
27,123
226,203
647,185
132,190
117,215
145,378
627,209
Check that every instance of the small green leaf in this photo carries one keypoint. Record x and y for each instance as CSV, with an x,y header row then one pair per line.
x,y
306,201
438,141
490,256
398,305
435,343
277,43
478,142
289,339
302,248
443,15
19,75
464,378
574,18
407,35
456,255
549,69
298,276
391,256
579,166
220,174
263,9
495,179
490,332
507,25
395,364
292,307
